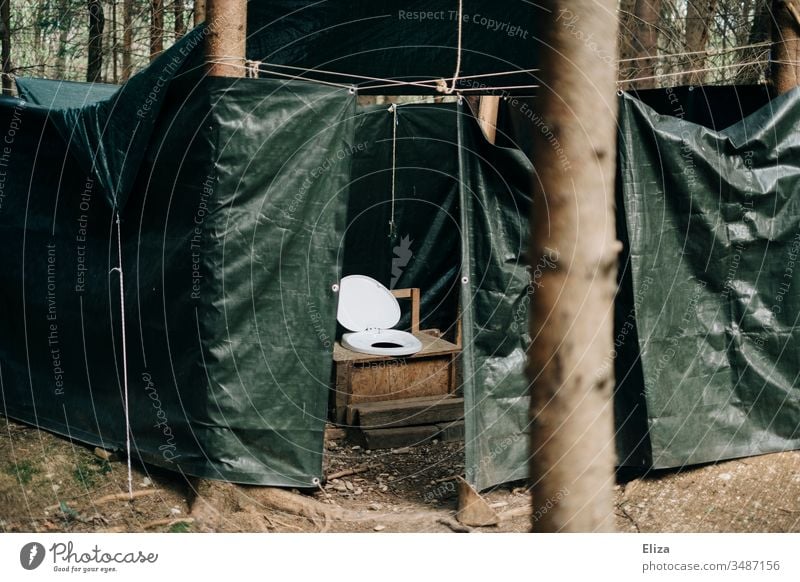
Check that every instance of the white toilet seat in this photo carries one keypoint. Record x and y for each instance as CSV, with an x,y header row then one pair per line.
x,y
369,310
364,342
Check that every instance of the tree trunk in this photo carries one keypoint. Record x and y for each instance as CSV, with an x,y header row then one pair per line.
x,y
5,45
640,40
114,43
97,21
698,18
225,41
180,23
573,233
199,12
785,61
64,25
127,38
156,28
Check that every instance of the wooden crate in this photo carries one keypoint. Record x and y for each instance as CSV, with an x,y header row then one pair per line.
x,y
367,378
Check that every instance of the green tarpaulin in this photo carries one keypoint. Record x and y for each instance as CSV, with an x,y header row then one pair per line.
x,y
713,226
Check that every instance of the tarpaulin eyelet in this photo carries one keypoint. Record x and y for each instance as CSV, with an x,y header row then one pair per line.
x,y
464,280
335,287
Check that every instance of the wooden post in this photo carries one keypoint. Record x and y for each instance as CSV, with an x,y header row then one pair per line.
x,y
785,65
487,116
199,12
573,236
225,42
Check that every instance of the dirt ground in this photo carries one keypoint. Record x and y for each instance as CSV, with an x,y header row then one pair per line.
x,y
49,484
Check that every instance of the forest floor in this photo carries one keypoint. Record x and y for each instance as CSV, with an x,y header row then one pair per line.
x,y
50,484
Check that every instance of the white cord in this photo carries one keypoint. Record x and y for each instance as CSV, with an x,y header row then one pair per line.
x,y
452,87
124,358
393,109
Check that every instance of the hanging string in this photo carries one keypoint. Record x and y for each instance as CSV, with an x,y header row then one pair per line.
x,y
392,225
124,357
449,91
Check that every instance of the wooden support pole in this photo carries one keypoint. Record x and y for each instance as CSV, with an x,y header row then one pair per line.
x,y
225,41
199,12
785,54
487,116
573,232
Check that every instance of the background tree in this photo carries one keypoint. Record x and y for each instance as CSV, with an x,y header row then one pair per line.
x,y
95,53
156,28
5,43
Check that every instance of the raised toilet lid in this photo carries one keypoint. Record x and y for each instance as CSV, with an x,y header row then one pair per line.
x,y
366,304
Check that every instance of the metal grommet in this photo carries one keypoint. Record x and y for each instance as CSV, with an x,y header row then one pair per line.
x,y
315,481
352,90
619,93
464,280
335,287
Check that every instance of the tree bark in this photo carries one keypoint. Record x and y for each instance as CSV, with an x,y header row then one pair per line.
x,y
573,234
97,21
156,28
127,38
199,12
785,61
64,24
225,41
640,34
180,23
698,18
5,44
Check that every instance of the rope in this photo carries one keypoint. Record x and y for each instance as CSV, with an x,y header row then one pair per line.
x,y
449,91
392,226
705,52
705,70
124,357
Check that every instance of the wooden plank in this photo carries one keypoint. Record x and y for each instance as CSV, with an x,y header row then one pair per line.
x,y
431,346
451,431
399,379
392,438
407,412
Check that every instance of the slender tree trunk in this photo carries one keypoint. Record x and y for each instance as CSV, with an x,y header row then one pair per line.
x,y
698,18
760,32
639,31
5,44
127,38
64,25
572,436
114,44
225,41
97,20
156,28
199,12
785,61
180,23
